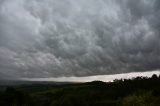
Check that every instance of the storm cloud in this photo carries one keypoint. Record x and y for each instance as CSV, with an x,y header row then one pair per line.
x,y
54,38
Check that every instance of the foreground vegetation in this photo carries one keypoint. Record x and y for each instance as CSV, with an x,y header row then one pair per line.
x,y
139,91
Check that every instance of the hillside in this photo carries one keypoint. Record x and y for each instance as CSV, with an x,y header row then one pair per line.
x,y
139,91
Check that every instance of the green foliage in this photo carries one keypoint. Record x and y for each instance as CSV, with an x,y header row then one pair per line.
x,y
141,99
139,91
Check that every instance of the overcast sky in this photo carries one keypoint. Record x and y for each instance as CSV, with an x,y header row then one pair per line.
x,y
55,38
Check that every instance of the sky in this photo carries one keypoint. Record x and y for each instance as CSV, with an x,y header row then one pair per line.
x,y
78,38
104,78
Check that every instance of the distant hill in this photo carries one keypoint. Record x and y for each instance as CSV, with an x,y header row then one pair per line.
x,y
139,91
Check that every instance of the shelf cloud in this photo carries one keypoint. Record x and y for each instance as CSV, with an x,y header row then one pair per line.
x,y
55,38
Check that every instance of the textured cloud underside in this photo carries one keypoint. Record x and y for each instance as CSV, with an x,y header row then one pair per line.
x,y
52,38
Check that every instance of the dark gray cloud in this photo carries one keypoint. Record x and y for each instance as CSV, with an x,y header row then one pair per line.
x,y
52,38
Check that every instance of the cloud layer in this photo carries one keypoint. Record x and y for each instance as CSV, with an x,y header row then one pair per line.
x,y
53,38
